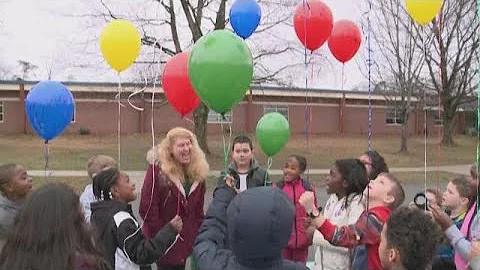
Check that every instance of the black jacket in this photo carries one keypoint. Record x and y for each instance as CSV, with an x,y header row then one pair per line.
x,y
256,176
259,223
119,234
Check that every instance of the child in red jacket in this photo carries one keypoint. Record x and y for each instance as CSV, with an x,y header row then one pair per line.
x,y
384,194
294,186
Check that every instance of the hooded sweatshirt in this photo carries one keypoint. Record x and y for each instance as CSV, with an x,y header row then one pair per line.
x,y
124,245
256,175
258,223
8,212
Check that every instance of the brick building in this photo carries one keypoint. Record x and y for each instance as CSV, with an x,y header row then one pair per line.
x,y
333,111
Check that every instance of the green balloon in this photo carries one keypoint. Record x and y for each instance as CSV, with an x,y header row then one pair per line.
x,y
220,69
273,132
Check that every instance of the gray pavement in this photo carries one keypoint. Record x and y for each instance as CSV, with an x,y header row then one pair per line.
x,y
461,169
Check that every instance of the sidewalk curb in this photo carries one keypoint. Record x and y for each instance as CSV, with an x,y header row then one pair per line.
x,y
460,169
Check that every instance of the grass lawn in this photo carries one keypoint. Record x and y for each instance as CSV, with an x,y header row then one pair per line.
x,y
71,152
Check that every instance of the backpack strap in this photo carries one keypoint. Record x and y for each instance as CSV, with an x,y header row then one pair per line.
x,y
306,185
280,184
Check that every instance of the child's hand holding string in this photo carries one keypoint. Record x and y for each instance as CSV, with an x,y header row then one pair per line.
x,y
231,183
475,252
307,200
440,216
177,223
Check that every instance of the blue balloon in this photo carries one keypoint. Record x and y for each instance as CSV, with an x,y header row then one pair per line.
x,y
245,16
50,108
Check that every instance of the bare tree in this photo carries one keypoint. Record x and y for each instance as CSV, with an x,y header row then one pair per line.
x,y
202,17
26,67
399,61
451,58
4,72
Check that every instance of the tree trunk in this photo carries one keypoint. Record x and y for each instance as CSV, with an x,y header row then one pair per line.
x,y
448,129
404,139
200,116
404,135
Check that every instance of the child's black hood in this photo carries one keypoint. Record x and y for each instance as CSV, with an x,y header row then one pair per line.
x,y
253,166
260,223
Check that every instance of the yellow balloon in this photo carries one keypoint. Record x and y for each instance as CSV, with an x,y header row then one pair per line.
x,y
120,44
423,11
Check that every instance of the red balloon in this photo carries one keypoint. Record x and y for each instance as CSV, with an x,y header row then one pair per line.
x,y
316,19
177,86
345,40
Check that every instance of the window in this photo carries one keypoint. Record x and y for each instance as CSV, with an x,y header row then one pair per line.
x,y
393,117
2,111
438,118
216,118
281,109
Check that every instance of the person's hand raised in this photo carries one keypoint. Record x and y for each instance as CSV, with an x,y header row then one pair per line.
x,y
177,223
307,200
440,216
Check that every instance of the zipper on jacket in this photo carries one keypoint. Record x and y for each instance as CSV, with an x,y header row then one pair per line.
x,y
166,198
295,223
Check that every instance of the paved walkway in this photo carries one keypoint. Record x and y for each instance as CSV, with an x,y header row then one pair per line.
x,y
459,169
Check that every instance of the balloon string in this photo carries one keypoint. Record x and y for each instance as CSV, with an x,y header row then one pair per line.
x,y
137,92
369,61
369,48
308,116
119,125
478,115
152,132
46,155
439,129
267,181
226,149
425,122
189,120
343,75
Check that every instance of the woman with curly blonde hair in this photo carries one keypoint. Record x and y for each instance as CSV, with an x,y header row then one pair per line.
x,y
174,185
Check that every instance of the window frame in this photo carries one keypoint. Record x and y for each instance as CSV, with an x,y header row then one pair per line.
x,y
397,119
218,119
269,108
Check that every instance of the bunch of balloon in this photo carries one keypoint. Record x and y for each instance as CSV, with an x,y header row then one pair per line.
x,y
120,44
272,134
50,107
423,11
344,42
177,86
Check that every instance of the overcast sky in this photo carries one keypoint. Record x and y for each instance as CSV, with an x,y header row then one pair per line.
x,y
39,32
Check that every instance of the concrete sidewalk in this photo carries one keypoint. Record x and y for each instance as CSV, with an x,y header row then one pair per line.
x,y
458,169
